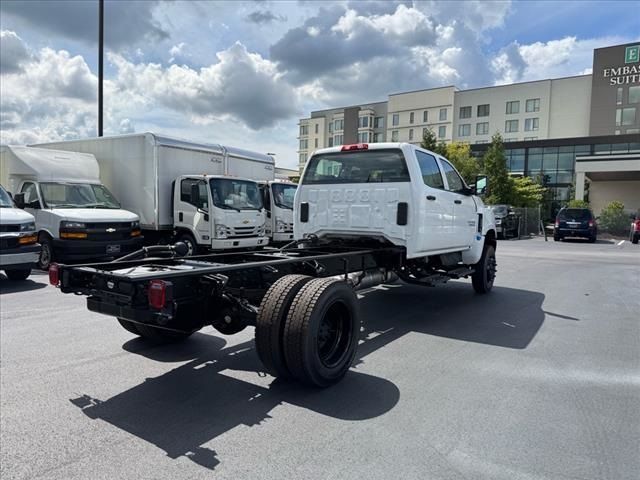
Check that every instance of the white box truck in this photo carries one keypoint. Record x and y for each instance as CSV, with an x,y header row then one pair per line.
x,y
204,195
77,218
277,196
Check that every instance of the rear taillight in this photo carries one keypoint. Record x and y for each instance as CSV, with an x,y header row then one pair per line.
x,y
54,274
355,146
557,223
591,223
637,224
159,293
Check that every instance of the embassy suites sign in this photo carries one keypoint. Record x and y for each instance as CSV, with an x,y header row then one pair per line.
x,y
628,73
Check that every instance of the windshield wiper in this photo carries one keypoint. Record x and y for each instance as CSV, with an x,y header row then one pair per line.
x,y
98,205
227,207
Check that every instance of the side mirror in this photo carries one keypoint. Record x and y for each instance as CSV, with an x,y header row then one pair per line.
x,y
481,185
19,200
195,194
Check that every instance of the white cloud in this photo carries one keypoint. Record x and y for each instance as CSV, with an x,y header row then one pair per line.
x,y
13,52
176,51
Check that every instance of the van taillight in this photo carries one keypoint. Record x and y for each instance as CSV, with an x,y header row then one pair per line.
x,y
557,223
54,274
355,146
591,223
159,293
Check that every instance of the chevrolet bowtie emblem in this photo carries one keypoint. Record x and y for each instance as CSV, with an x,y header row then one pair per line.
x,y
245,221
111,230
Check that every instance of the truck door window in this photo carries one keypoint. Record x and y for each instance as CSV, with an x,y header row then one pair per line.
x,y
431,175
185,193
456,184
31,199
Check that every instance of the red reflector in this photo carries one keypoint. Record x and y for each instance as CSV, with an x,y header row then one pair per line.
x,y
54,274
355,146
157,294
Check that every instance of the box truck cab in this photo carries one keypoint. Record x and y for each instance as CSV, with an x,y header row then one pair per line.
x,y
203,194
76,217
19,249
277,196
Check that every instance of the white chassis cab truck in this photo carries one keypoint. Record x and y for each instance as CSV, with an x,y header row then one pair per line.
x,y
278,196
363,215
204,195
77,217
19,250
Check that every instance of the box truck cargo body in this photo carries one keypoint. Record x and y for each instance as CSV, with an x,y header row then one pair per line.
x,y
76,216
153,175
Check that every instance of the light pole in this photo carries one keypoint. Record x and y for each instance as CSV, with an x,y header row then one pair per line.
x,y
100,61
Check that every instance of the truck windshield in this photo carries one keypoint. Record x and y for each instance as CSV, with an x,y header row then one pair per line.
x,y
5,199
77,195
500,209
283,195
235,194
357,167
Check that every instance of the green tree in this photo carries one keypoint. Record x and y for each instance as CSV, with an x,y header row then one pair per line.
x,y
578,204
613,219
429,141
459,154
526,192
501,186
441,148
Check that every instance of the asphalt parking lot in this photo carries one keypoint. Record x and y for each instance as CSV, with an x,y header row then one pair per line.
x,y
538,380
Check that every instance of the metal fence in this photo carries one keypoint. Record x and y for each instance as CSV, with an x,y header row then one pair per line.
x,y
530,221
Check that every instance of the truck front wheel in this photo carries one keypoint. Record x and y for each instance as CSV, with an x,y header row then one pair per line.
x,y
485,270
46,252
190,242
321,332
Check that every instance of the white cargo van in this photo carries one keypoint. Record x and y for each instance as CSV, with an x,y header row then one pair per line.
x,y
19,249
77,218
278,196
204,195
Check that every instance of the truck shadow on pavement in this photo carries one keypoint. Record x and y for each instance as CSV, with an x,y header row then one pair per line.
x,y
222,387
10,286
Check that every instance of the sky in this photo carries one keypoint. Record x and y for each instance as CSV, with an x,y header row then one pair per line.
x,y
244,73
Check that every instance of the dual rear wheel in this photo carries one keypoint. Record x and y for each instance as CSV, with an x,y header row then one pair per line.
x,y
308,329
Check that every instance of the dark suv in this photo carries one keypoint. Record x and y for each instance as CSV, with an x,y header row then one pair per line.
x,y
575,222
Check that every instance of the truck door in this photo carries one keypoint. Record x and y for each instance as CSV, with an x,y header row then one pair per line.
x,y
33,205
464,207
436,206
265,191
192,209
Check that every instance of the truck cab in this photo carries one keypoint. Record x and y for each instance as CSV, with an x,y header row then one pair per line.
x,y
218,212
76,217
278,197
19,249
393,193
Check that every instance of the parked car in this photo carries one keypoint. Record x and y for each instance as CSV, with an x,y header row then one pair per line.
x,y
634,233
575,222
507,221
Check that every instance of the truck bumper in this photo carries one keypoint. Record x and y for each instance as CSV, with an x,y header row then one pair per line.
x,y
19,258
66,250
250,242
282,237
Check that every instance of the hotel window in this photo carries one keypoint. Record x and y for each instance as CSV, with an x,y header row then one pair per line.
x,y
619,96
315,142
625,116
316,128
464,130
395,120
376,137
442,131
533,105
410,134
330,127
425,116
531,124
482,128
304,144
339,124
511,126
483,110
411,117
378,122
331,141
634,94
513,107
633,130
394,135
443,114
424,132
304,130
363,122
465,112
302,157
337,140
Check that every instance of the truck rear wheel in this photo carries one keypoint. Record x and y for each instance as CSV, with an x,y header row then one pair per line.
x,y
153,333
485,270
271,320
321,332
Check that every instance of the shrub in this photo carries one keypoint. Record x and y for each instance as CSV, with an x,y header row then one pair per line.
x,y
578,204
613,219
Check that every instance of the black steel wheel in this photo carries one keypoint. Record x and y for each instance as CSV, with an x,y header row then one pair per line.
x,y
190,242
485,271
270,322
18,275
46,257
321,332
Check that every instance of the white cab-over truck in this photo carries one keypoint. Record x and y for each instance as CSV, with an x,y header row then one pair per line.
x,y
278,196
364,215
204,195
77,218
19,249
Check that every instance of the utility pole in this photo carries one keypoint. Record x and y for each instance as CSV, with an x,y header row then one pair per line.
x,y
100,62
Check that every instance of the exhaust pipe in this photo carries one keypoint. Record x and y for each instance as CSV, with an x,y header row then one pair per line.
x,y
369,278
